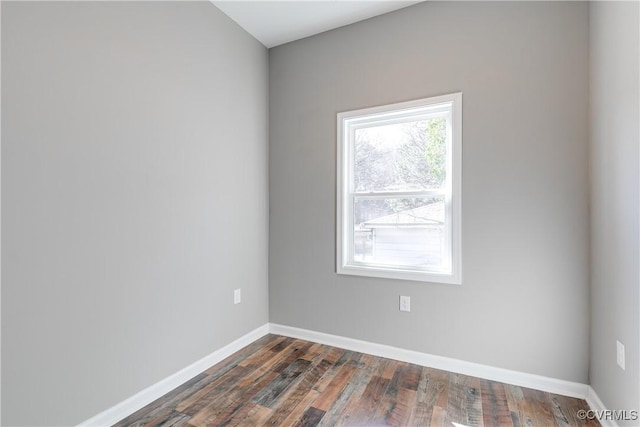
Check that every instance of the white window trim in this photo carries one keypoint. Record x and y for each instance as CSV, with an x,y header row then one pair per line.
x,y
453,204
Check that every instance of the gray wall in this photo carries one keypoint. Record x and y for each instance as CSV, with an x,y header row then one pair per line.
x,y
615,199
134,197
523,71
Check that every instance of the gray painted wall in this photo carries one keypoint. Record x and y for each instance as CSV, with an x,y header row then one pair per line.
x,y
523,71
128,129
615,201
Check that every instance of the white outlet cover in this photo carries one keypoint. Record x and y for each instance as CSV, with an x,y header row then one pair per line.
x,y
237,296
405,303
620,354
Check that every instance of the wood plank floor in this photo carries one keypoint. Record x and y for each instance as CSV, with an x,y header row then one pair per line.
x,y
279,381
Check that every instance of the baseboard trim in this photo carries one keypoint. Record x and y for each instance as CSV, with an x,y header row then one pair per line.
x,y
538,382
151,393
594,402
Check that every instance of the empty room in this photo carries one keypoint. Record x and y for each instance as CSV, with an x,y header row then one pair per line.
x,y
301,213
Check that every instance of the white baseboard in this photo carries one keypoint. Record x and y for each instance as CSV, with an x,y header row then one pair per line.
x,y
538,382
596,404
151,393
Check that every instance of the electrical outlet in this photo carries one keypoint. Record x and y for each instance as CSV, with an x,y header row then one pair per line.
x,y
405,303
237,296
620,354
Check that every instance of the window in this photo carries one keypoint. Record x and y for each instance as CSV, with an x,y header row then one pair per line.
x,y
399,187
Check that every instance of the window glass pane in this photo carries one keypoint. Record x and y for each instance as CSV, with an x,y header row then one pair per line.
x,y
400,231
401,157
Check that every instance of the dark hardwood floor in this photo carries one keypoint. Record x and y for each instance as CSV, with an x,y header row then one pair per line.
x,y
279,381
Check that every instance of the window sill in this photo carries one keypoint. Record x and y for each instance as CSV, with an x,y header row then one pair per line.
x,y
399,274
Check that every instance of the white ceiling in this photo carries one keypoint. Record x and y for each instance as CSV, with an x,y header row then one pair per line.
x,y
277,22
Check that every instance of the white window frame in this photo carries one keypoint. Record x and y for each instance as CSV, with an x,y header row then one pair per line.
x,y
348,121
